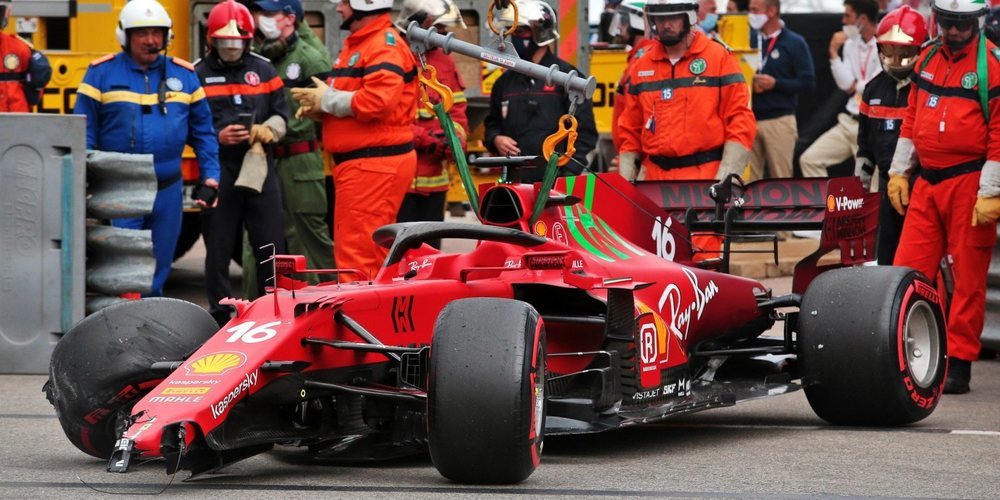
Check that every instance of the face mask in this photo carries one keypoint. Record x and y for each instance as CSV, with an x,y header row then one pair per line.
x,y
268,27
757,21
525,47
852,31
229,50
709,23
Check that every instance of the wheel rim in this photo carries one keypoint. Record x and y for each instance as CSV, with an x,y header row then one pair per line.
x,y
538,412
922,344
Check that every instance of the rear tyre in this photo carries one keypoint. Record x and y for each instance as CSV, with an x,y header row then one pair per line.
x,y
872,346
101,367
486,398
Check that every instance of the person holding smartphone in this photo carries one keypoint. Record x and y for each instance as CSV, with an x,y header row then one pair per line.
x,y
248,104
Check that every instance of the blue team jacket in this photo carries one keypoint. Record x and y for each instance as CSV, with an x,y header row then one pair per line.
x,y
120,101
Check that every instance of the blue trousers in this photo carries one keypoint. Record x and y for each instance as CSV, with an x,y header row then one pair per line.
x,y
165,222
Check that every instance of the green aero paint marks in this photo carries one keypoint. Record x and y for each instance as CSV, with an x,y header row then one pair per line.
x,y
608,234
574,231
587,219
596,236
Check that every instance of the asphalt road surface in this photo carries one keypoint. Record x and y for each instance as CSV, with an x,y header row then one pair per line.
x,y
771,448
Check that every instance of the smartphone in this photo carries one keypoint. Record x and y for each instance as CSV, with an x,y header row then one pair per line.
x,y
245,119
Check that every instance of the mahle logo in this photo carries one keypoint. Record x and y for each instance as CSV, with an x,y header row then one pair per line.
x,y
841,203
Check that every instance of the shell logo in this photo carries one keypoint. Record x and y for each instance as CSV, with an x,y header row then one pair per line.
x,y
216,363
831,203
541,229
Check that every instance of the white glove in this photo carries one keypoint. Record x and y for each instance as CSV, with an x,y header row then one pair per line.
x,y
628,165
989,180
904,158
859,170
735,157
337,103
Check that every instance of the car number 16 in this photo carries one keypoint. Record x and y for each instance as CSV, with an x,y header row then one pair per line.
x,y
247,333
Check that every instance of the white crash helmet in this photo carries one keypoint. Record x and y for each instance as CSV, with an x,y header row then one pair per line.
x,y
439,11
142,14
631,10
536,15
369,5
659,8
453,17
961,10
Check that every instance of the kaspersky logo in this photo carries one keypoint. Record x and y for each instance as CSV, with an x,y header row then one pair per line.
x,y
216,363
841,203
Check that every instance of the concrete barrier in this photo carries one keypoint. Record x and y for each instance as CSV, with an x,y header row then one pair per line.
x,y
42,171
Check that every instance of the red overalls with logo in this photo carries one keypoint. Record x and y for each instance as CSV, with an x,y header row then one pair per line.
x,y
15,56
373,150
946,123
431,174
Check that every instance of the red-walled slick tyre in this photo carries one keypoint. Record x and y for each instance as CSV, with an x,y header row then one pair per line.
x,y
872,345
101,367
486,391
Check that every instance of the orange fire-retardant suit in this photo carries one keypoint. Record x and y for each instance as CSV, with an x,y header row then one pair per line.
x,y
945,126
683,114
679,118
621,92
373,146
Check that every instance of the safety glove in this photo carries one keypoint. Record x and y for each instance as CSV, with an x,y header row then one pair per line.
x,y
262,134
986,211
898,190
628,165
864,169
735,158
310,99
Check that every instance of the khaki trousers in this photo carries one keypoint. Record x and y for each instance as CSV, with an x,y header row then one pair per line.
x,y
833,147
774,147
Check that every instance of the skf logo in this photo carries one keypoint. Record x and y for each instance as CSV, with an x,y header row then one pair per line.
x,y
841,203
216,363
185,391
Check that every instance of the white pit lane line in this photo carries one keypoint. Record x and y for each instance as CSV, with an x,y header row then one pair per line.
x,y
770,427
761,427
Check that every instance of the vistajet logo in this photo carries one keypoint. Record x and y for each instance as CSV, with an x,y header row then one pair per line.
x,y
249,380
841,203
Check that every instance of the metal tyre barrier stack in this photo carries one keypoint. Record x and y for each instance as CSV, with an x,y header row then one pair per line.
x,y
59,258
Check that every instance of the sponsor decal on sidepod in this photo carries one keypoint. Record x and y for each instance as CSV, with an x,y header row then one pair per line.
x,y
249,380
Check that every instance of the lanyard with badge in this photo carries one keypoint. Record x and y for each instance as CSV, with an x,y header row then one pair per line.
x,y
766,56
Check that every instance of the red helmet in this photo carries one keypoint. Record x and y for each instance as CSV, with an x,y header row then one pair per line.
x,y
903,26
230,20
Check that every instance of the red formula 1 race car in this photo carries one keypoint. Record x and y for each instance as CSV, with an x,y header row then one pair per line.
x,y
586,314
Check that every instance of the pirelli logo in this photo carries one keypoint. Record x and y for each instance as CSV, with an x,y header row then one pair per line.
x,y
185,391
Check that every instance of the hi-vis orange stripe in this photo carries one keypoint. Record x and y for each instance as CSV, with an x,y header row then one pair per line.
x,y
883,112
229,89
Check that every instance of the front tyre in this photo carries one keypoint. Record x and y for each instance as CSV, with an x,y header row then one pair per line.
x,y
486,391
872,346
101,367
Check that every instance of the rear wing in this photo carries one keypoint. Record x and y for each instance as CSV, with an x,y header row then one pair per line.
x,y
846,214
